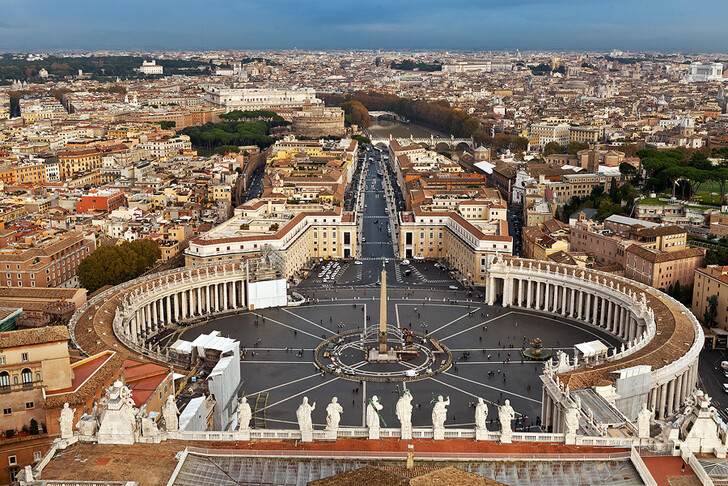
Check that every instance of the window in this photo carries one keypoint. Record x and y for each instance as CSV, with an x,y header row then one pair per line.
x,y
27,376
37,456
7,411
12,460
29,405
2,360
4,379
25,357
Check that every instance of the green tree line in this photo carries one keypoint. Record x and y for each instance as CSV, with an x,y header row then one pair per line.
x,y
411,65
213,135
112,265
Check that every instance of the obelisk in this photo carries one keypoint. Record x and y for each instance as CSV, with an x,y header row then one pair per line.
x,y
383,313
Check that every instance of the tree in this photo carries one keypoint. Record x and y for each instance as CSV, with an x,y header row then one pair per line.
x,y
361,139
33,429
552,148
711,312
224,149
358,113
627,169
112,265
574,147
166,125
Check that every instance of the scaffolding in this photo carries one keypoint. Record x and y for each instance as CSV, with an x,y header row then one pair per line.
x,y
271,265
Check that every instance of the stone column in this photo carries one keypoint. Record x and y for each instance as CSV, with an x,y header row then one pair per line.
x,y
587,311
207,299
678,393
671,396
580,306
199,300
661,401
529,290
217,297
175,305
602,321
653,399
538,295
225,295
235,294
168,303
563,299
520,292
571,303
154,314
546,296
610,316
491,290
184,304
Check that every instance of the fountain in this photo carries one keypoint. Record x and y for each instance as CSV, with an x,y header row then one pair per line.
x,y
536,351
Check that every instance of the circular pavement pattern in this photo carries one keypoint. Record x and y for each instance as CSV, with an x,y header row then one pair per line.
x,y
485,343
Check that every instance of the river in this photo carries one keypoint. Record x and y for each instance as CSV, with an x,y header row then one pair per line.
x,y
383,128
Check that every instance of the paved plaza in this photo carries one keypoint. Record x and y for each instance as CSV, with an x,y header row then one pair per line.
x,y
279,345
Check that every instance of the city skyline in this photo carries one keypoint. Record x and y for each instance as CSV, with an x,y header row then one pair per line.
x,y
286,24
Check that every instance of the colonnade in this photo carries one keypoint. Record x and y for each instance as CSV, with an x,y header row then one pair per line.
x,y
580,303
153,315
617,306
151,305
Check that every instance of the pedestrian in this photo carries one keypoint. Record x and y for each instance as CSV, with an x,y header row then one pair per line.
x,y
682,470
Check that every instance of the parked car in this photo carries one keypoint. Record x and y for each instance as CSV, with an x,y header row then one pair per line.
x,y
453,287
404,262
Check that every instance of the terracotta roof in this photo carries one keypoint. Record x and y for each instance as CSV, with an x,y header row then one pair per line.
x,y
665,256
28,337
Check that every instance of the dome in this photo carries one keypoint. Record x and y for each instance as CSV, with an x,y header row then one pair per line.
x,y
481,149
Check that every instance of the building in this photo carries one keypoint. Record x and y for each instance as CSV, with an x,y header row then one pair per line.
x,y
151,67
699,72
100,200
662,269
32,363
550,132
50,260
317,121
461,244
261,99
258,226
709,281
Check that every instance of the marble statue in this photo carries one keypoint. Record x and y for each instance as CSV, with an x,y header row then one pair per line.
x,y
403,409
439,412
372,417
66,421
481,414
150,429
245,414
643,422
333,414
303,415
505,415
571,420
439,415
169,412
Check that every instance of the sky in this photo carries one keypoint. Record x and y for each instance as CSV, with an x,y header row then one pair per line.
x,y
647,25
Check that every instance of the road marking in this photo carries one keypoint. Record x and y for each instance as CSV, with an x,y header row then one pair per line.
x,y
483,385
286,325
304,319
285,384
477,325
301,393
451,322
